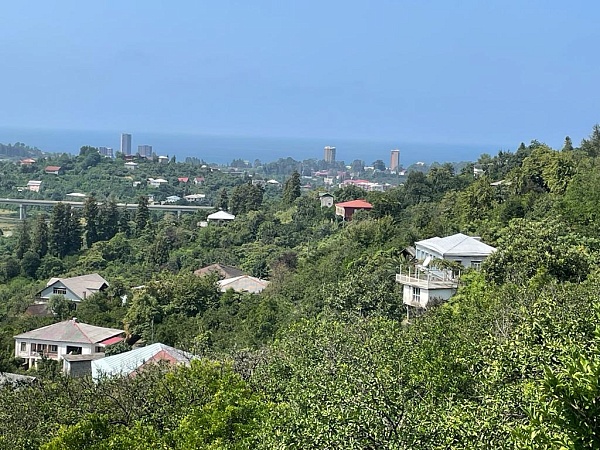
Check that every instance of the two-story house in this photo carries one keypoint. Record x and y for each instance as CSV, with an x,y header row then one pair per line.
x,y
426,285
69,337
75,289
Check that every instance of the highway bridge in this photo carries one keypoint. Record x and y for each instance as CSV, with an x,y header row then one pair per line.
x,y
24,203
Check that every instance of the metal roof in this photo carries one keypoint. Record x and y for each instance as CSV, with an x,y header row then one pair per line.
x,y
355,204
71,331
457,245
243,283
220,215
127,362
83,285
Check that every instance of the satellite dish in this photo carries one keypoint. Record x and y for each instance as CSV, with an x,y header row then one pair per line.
x,y
427,261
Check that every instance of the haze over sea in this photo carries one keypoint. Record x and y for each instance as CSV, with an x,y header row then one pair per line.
x,y
223,149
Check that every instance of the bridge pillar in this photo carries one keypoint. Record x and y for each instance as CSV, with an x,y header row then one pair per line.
x,y
22,212
179,214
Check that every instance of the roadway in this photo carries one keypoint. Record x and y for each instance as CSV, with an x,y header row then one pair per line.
x,y
23,203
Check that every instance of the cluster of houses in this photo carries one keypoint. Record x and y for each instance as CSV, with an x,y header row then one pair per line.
x,y
81,347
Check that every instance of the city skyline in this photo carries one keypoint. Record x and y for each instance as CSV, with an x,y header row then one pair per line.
x,y
431,72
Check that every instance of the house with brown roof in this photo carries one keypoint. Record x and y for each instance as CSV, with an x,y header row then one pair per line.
x,y
27,162
69,337
54,170
75,289
346,209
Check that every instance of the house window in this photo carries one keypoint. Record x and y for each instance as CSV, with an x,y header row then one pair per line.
x,y
416,294
23,346
33,347
476,265
59,291
99,349
71,350
53,349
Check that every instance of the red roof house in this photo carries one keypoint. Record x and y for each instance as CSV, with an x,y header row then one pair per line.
x,y
183,179
346,209
53,170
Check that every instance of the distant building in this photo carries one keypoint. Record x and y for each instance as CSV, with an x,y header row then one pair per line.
x,y
346,209
163,159
145,151
326,199
329,154
126,144
54,170
395,160
27,162
106,151
34,185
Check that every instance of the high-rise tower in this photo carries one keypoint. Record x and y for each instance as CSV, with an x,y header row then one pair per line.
x,y
329,154
125,144
395,160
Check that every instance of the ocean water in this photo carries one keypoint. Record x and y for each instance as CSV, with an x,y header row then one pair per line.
x,y
223,149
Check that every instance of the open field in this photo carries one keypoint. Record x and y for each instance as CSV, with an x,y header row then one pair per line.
x,y
9,220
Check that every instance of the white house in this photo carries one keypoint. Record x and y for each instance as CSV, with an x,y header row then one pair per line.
x,y
34,185
156,182
172,199
425,285
75,288
69,337
326,199
131,165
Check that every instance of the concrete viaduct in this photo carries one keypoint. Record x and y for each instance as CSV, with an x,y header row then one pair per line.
x,y
24,203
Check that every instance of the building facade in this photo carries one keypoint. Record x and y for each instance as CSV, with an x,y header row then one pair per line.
x,y
126,144
395,160
145,151
329,154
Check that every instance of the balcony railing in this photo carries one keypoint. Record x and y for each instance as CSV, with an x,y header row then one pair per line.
x,y
428,278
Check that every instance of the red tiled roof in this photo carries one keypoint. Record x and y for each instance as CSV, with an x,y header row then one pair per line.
x,y
355,204
53,168
183,179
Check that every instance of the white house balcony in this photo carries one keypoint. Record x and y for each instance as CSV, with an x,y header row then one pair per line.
x,y
428,278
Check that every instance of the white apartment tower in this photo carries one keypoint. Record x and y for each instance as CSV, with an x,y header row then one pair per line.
x,y
126,144
329,154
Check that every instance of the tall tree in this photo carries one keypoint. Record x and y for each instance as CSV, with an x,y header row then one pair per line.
x,y
142,215
245,197
39,240
58,230
109,220
223,199
91,214
23,240
591,146
291,189
568,146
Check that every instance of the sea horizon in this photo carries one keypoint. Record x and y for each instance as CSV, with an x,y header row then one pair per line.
x,y
222,149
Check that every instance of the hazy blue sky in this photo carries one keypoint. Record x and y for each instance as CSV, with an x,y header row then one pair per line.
x,y
496,72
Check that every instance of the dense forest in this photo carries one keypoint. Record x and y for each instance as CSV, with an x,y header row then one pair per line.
x,y
323,357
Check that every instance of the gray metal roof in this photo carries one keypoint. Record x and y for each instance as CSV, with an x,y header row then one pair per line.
x,y
83,285
71,331
457,245
127,362
243,283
